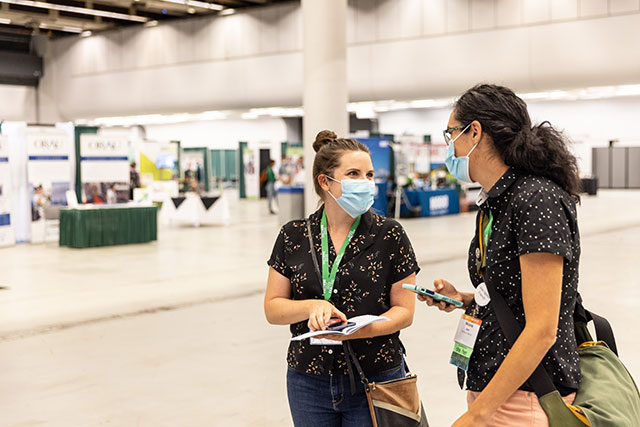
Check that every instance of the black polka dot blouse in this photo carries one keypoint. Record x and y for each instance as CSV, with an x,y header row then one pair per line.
x,y
378,256
530,214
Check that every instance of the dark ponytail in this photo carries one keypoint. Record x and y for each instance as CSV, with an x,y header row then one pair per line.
x,y
540,150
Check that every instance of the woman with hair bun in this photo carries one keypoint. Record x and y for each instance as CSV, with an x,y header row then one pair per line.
x,y
365,258
525,250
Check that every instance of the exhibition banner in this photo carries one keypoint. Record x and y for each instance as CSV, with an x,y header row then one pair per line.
x,y
157,161
49,172
104,166
251,175
7,236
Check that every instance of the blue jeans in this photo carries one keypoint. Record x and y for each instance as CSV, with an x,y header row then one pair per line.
x,y
271,194
326,400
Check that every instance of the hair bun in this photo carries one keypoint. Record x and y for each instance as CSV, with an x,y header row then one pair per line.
x,y
323,138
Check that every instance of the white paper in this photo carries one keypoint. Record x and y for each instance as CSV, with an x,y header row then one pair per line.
x,y
324,341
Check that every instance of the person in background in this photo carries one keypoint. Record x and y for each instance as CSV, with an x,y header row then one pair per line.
x,y
365,260
112,195
134,179
526,248
285,173
195,185
94,196
298,175
270,186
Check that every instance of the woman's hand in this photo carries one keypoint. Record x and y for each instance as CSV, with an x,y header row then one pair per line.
x,y
320,314
443,287
365,332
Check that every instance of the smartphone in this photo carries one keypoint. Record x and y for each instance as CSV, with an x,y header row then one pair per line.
x,y
341,326
436,296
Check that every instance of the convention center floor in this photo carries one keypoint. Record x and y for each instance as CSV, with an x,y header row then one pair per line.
x,y
173,333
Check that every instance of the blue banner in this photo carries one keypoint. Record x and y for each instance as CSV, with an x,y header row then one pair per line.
x,y
104,158
48,157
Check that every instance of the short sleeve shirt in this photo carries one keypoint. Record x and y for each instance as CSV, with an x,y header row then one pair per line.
x,y
530,214
378,256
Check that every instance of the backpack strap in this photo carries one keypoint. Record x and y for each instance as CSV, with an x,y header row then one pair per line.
x,y
604,332
539,379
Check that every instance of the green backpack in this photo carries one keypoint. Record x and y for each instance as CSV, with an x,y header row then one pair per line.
x,y
608,396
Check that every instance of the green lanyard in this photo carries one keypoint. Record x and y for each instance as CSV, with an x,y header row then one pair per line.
x,y
329,280
485,228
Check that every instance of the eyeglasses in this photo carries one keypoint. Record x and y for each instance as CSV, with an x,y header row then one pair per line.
x,y
448,131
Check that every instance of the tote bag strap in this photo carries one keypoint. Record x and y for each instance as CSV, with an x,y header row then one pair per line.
x,y
312,248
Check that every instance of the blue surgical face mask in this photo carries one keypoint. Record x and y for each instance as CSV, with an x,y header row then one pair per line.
x,y
458,166
357,195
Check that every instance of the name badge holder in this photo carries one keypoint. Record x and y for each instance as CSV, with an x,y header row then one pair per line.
x,y
469,326
464,341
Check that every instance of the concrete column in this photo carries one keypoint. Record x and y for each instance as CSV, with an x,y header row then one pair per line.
x,y
325,79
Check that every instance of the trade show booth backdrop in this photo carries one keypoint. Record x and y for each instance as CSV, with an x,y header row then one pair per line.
x,y
194,162
6,229
104,165
156,160
224,164
49,169
380,149
158,163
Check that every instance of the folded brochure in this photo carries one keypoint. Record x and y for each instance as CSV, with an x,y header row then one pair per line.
x,y
353,324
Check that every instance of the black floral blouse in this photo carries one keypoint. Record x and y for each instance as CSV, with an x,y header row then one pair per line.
x,y
378,256
530,214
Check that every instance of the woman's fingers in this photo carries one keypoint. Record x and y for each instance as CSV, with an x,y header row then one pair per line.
x,y
328,314
313,324
450,308
337,313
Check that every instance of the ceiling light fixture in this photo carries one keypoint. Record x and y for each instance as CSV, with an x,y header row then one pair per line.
x,y
196,3
64,28
86,34
155,119
74,9
150,24
5,21
227,12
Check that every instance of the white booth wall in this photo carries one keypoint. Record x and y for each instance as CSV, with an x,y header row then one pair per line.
x,y
19,103
221,134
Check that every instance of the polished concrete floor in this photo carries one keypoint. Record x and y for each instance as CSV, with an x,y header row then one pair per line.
x,y
172,333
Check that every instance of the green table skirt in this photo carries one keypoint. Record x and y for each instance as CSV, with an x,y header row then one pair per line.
x,y
85,228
